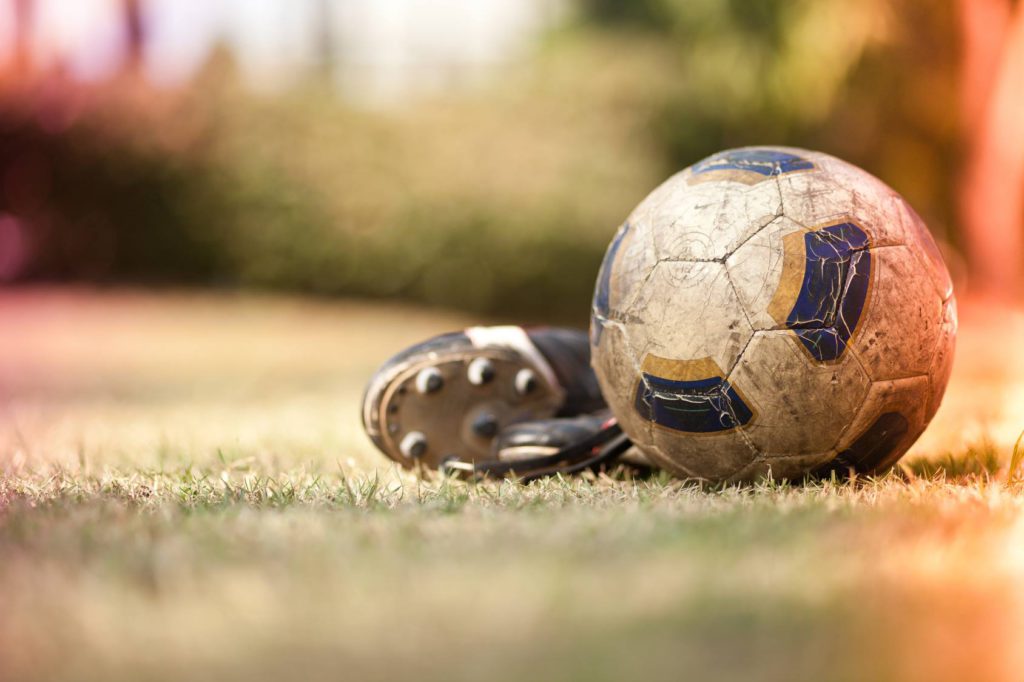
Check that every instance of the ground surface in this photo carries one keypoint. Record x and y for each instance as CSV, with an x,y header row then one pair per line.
x,y
185,494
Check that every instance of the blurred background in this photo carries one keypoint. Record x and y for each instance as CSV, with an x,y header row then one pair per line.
x,y
217,217
473,154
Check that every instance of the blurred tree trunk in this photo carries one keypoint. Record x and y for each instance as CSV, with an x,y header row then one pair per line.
x,y
992,194
24,11
134,35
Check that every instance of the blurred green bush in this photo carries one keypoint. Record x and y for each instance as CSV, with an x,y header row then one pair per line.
x,y
498,201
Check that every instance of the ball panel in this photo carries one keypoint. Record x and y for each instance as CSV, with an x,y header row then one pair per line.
x,y
620,378
756,270
600,307
826,288
688,311
812,198
840,189
813,282
802,405
692,396
657,359
919,239
906,398
661,215
615,365
618,374
870,197
712,457
875,450
749,165
942,365
627,263
708,221
673,464
898,335
782,467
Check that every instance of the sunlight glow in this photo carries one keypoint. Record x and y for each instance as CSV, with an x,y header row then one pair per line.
x,y
379,50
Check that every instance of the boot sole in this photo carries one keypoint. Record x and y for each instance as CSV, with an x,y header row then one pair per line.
x,y
451,400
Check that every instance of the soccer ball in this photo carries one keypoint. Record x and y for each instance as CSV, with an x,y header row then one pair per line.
x,y
773,310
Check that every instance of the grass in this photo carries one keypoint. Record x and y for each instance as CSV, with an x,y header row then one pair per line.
x,y
241,573
195,502
977,460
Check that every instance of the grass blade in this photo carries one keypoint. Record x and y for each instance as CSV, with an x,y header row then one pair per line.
x,y
1016,474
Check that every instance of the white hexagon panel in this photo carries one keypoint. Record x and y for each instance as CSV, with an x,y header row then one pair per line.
x,y
802,405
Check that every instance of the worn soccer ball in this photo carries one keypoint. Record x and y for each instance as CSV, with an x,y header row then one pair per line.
x,y
773,311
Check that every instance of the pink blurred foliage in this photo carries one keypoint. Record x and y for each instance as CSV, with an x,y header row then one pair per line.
x,y
992,106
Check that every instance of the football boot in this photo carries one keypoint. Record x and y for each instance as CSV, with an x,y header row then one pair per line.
x,y
448,398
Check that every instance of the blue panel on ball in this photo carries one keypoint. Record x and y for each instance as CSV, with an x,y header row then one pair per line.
x,y
874,451
837,277
766,162
702,406
601,306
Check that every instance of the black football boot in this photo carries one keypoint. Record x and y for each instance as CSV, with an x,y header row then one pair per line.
x,y
446,400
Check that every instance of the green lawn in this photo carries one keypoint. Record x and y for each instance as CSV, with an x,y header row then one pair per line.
x,y
185,495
